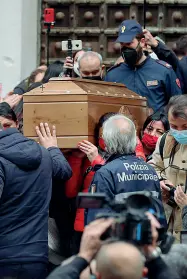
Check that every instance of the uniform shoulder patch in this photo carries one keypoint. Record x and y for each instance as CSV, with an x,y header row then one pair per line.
x,y
163,63
114,67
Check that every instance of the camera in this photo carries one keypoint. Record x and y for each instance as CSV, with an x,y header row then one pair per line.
x,y
70,46
171,200
131,221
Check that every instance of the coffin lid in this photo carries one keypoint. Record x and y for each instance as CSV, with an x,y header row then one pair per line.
x,y
75,86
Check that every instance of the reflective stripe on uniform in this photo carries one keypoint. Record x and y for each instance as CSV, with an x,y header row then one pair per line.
x,y
120,197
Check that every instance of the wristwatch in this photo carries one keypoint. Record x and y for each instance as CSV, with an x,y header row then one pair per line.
x,y
154,254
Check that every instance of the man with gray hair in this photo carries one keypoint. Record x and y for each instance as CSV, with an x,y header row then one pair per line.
x,y
123,173
91,66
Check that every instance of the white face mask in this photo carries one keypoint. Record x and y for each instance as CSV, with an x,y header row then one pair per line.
x,y
154,56
76,68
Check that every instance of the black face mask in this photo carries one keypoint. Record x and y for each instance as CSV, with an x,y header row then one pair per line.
x,y
93,78
131,56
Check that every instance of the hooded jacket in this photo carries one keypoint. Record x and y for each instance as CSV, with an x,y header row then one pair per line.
x,y
26,172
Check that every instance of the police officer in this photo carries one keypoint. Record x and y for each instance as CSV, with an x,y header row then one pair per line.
x,y
163,52
123,173
153,79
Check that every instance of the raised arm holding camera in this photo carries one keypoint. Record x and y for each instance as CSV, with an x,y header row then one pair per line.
x,y
114,258
71,64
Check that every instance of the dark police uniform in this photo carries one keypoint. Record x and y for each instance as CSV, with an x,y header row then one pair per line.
x,y
120,176
153,79
166,54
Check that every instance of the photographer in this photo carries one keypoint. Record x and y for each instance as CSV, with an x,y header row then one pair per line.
x,y
116,260
169,161
72,63
90,244
123,172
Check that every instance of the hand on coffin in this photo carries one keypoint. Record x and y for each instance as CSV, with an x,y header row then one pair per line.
x,y
68,64
89,149
46,138
12,99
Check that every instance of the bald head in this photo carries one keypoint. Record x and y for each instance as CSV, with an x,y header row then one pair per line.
x,y
123,124
90,64
119,261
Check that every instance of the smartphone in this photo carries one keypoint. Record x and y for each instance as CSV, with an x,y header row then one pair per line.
x,y
87,200
73,45
183,237
49,15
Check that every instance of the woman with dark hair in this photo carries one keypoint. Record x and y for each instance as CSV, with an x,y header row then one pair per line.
x,y
154,127
8,118
54,70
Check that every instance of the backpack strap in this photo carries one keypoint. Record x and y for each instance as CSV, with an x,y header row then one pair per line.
x,y
161,146
88,170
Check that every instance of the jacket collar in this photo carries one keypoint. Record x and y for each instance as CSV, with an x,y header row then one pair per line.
x,y
140,65
143,63
8,132
116,156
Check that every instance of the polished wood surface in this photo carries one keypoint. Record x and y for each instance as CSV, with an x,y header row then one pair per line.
x,y
75,106
70,142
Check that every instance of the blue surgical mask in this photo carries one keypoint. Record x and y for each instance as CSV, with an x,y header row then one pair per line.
x,y
180,136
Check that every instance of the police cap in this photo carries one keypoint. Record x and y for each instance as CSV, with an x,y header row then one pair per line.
x,y
128,30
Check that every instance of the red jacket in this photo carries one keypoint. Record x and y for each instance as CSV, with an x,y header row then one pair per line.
x,y
79,164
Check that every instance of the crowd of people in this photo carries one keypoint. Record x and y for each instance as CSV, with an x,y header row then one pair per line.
x,y
43,234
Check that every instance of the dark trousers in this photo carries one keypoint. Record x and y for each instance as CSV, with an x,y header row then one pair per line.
x,y
24,271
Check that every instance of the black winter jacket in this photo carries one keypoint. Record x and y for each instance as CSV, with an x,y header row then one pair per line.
x,y
26,172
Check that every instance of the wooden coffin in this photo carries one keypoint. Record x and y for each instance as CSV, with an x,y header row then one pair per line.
x,y
75,106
